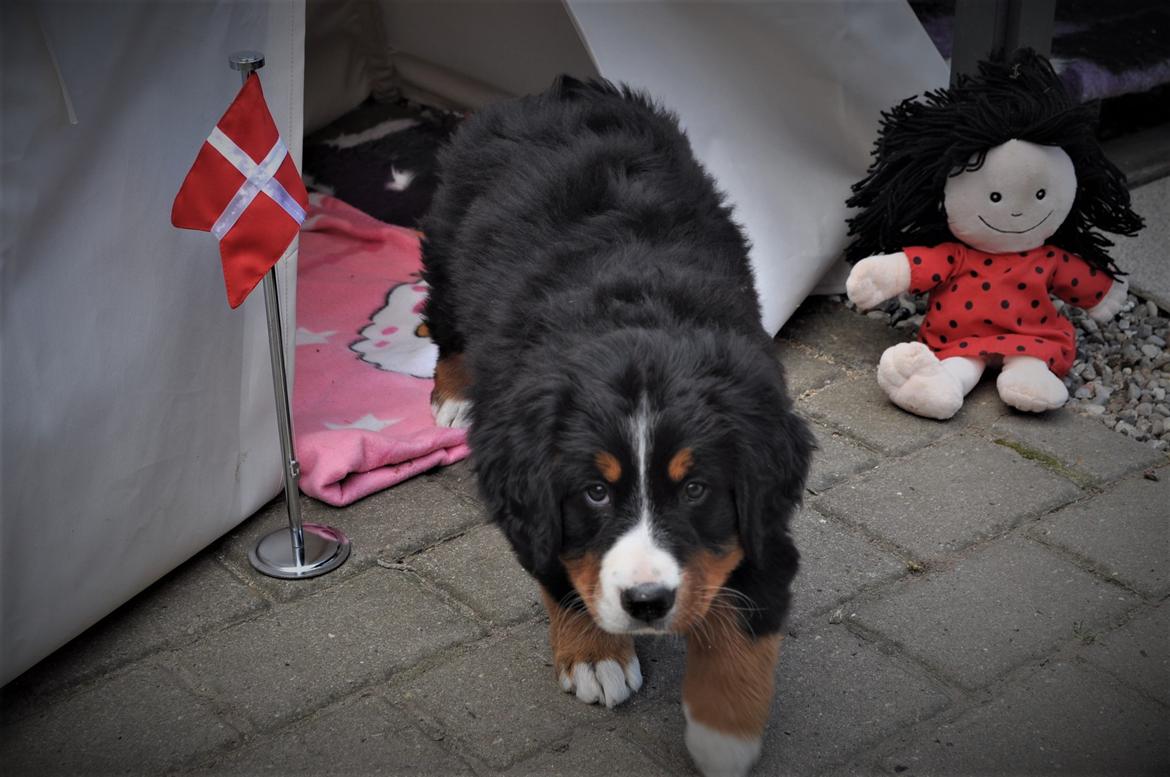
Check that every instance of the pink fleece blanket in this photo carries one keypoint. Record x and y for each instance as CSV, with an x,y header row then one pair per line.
x,y
361,398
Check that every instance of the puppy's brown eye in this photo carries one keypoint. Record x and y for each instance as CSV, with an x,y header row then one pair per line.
x,y
694,490
597,495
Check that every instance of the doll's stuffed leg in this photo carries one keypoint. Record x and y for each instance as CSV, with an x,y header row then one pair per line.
x,y
915,380
965,370
1026,383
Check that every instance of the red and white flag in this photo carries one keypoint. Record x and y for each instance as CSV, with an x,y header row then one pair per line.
x,y
245,190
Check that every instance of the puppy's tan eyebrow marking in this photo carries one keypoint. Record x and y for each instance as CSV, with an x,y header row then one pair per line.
x,y
608,465
680,464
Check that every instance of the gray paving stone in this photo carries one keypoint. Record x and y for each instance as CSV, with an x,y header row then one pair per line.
x,y
389,524
480,569
804,371
412,515
1124,534
836,459
831,329
363,735
500,699
590,752
194,599
1011,602
1138,652
982,407
1077,442
1064,719
859,408
1145,255
308,652
663,659
835,694
835,564
458,477
139,722
948,496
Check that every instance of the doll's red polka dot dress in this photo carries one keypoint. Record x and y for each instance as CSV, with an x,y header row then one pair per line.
x,y
985,304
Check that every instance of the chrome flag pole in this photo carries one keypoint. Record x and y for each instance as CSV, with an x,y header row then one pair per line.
x,y
307,549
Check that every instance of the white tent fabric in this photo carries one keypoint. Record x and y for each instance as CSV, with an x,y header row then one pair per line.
x,y
137,414
780,101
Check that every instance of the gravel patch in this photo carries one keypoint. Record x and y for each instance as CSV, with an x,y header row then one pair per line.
x,y
1121,375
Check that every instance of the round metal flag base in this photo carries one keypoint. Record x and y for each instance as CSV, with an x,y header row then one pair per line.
x,y
326,549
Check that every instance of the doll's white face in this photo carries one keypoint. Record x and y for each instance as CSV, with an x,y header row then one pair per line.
x,y
1015,201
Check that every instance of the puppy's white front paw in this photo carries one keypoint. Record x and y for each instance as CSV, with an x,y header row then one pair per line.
x,y
604,682
717,754
453,413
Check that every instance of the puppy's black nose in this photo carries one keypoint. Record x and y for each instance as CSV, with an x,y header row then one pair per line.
x,y
648,602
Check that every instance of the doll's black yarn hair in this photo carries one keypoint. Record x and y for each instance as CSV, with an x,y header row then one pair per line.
x,y
924,140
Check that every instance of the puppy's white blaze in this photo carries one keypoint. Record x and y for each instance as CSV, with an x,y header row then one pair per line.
x,y
718,754
640,429
453,413
636,558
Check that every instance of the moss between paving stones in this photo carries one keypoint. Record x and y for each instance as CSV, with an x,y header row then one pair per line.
x,y
1048,461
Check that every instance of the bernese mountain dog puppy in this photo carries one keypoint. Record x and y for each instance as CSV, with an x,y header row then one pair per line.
x,y
598,328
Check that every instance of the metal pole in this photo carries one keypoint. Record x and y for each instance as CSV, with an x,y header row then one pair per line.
x,y
292,468
311,549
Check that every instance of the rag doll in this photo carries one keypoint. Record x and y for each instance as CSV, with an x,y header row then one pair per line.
x,y
988,195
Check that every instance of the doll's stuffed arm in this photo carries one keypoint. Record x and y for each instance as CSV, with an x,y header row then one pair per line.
x,y
1112,303
878,278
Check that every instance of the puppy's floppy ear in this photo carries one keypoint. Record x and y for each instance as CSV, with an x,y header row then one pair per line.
x,y
774,451
513,443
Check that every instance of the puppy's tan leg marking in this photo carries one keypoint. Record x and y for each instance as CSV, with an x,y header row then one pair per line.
x,y
597,666
727,694
450,401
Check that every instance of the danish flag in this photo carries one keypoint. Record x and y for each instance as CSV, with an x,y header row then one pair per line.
x,y
245,189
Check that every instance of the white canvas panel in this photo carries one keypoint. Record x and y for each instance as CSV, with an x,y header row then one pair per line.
x,y
468,53
781,102
138,413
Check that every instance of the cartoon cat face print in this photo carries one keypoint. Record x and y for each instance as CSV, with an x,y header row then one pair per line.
x,y
395,340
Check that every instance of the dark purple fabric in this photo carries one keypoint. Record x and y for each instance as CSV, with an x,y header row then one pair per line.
x,y
1099,49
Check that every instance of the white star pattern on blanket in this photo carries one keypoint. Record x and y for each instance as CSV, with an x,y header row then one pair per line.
x,y
309,337
367,422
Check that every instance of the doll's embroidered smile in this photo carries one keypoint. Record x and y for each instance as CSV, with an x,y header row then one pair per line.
x,y
1017,231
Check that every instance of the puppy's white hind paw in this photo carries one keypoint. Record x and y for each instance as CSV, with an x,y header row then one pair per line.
x,y
604,682
453,413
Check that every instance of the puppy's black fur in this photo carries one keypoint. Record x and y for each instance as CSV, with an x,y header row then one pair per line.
x,y
585,265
